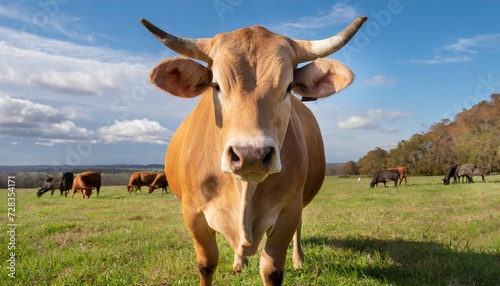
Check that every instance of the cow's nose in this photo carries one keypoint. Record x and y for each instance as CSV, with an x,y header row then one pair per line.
x,y
251,159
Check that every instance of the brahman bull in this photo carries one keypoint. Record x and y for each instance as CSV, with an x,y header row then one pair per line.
x,y
250,156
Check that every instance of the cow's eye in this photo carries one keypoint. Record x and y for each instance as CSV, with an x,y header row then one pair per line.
x,y
215,86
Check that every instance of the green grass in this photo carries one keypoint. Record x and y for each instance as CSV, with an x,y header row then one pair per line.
x,y
420,234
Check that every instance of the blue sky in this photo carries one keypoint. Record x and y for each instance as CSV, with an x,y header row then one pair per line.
x,y
74,87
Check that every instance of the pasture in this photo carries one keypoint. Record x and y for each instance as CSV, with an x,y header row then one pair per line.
x,y
420,234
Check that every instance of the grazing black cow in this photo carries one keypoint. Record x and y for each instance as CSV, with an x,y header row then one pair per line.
x,y
402,173
450,173
384,176
465,170
480,171
62,183
51,184
67,182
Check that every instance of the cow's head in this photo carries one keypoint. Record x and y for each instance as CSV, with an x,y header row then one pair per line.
x,y
39,192
151,189
45,188
251,74
86,193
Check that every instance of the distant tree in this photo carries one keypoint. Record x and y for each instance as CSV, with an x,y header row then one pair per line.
x,y
473,137
349,168
28,181
373,161
479,142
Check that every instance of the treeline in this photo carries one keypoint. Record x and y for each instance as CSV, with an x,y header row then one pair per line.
x,y
33,176
472,137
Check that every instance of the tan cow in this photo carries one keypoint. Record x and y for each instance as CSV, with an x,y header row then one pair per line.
x,y
139,179
250,156
85,182
159,182
403,171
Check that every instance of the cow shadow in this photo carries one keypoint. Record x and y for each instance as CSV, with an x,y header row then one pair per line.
x,y
402,262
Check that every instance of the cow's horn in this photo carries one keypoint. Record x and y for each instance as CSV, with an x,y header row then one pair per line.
x,y
193,48
311,50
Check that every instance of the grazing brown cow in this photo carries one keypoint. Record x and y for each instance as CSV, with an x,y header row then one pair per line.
x,y
85,182
159,182
402,173
139,179
250,156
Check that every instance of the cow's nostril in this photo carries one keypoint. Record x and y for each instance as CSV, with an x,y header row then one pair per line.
x,y
269,156
234,157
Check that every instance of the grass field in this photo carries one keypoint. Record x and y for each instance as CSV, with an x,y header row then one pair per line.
x,y
420,234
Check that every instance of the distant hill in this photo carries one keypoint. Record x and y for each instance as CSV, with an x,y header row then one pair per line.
x,y
77,169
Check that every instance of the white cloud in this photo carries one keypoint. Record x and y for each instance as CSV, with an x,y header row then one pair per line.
x,y
357,122
33,67
340,13
29,60
379,80
67,75
25,118
74,112
50,126
439,60
19,112
479,42
14,13
462,50
137,130
371,119
390,129
49,18
398,114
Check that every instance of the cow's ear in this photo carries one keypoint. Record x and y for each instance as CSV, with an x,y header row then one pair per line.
x,y
321,78
181,77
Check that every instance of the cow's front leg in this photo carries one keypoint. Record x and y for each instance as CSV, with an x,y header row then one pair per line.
x,y
272,259
298,254
207,253
272,265
239,263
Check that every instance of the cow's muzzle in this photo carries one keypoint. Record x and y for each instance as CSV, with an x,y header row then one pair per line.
x,y
251,162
